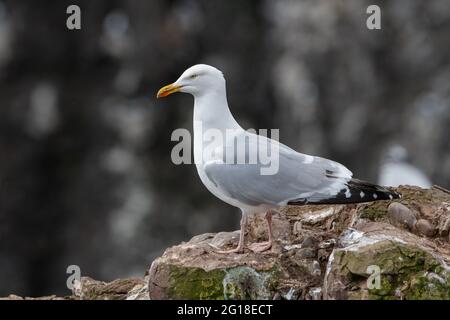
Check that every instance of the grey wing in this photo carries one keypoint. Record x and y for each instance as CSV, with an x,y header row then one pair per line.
x,y
299,176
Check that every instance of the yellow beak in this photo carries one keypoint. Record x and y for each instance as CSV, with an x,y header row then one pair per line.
x,y
166,90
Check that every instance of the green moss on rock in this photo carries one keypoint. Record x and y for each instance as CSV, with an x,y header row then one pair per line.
x,y
429,286
195,283
377,211
234,283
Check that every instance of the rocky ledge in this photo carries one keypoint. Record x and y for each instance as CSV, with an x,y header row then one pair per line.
x,y
380,250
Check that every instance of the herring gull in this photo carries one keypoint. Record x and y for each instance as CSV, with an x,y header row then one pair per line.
x,y
298,178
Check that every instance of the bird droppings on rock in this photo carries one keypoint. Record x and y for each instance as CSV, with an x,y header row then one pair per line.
x,y
314,217
315,293
288,294
297,228
349,237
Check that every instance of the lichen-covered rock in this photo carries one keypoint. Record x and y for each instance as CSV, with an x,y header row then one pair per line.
x,y
382,262
120,289
194,271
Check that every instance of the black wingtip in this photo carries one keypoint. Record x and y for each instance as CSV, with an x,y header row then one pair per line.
x,y
356,191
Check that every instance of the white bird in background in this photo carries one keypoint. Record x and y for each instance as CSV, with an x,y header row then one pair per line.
x,y
300,178
396,171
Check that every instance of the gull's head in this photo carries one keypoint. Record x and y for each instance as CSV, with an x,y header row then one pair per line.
x,y
196,80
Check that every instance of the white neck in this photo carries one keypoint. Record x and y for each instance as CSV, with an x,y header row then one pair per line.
x,y
212,111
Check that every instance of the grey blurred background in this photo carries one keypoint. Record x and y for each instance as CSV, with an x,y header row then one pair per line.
x,y
85,170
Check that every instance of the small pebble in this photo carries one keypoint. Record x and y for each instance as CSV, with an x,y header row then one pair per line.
x,y
425,228
401,216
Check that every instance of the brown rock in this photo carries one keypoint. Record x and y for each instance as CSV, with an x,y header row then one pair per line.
x,y
401,216
257,228
443,221
427,210
424,227
120,289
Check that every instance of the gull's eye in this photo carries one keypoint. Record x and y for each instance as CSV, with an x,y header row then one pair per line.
x,y
193,76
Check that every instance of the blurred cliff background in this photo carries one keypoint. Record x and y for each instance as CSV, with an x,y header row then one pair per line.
x,y
85,170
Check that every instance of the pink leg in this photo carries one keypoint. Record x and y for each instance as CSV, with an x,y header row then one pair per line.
x,y
240,247
263,246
